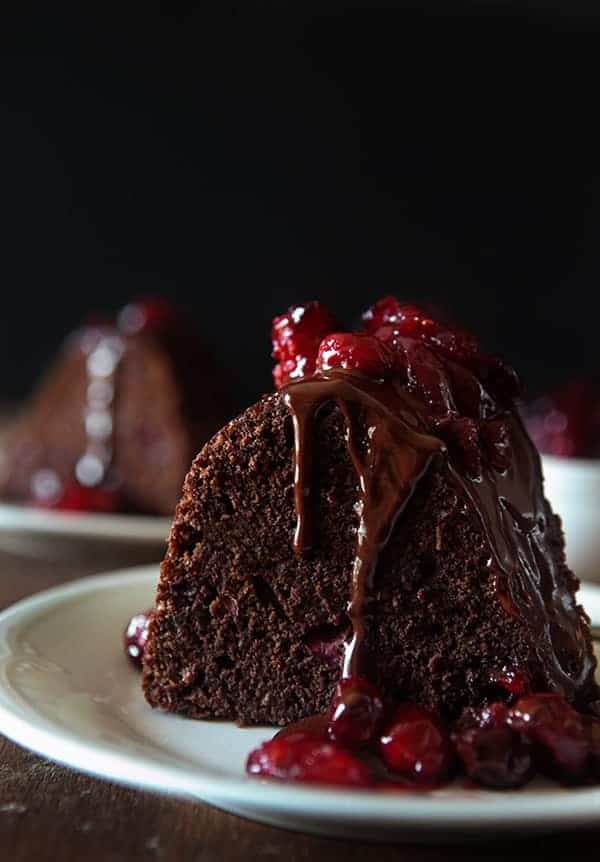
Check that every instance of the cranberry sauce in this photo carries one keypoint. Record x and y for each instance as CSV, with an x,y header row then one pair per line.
x,y
361,743
426,391
423,391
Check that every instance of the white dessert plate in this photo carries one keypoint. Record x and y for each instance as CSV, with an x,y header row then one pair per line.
x,y
83,525
68,692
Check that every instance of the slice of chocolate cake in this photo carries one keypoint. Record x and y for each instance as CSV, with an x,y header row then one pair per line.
x,y
118,418
381,515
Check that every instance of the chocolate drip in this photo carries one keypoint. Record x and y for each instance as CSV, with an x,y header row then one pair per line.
x,y
509,506
388,467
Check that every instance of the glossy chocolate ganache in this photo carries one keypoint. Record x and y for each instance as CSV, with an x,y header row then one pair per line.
x,y
396,453
420,399
366,559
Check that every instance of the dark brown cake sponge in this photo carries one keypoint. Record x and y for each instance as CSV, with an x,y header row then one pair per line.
x,y
247,630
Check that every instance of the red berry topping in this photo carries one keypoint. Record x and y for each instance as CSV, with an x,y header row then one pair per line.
x,y
307,757
491,752
296,337
451,343
496,440
409,320
136,635
81,498
462,438
561,745
491,715
416,745
150,314
355,712
514,681
354,351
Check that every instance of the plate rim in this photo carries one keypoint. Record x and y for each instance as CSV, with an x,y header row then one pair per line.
x,y
477,809
18,518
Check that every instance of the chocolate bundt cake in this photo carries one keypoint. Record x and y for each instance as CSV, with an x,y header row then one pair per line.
x,y
380,516
116,421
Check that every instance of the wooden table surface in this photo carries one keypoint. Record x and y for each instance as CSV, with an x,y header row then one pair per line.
x,y
51,813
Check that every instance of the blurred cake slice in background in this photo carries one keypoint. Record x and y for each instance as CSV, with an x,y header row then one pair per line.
x,y
116,420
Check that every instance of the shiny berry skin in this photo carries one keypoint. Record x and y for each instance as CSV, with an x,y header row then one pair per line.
x,y
491,752
81,498
407,319
560,743
462,437
355,712
354,351
490,715
306,757
496,441
296,337
495,757
449,342
416,746
514,681
136,635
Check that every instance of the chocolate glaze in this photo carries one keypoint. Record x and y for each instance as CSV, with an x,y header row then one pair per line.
x,y
510,507
396,453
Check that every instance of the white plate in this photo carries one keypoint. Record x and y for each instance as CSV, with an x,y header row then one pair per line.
x,y
573,487
106,541
68,692
84,525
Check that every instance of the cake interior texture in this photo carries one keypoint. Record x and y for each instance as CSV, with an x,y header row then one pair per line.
x,y
246,628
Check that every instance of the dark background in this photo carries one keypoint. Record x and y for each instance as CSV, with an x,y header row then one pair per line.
x,y
241,163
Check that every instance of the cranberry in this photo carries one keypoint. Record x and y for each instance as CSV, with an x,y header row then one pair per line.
x,y
496,439
150,314
296,337
451,343
469,396
81,498
490,715
136,635
491,752
416,745
417,366
306,757
355,712
427,378
462,437
405,318
354,351
414,322
514,681
495,756
557,731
